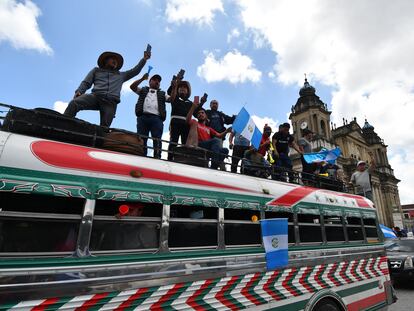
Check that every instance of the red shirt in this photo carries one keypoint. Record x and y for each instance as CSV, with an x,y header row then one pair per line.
x,y
204,132
262,150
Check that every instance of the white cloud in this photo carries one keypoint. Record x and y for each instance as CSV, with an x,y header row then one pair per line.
x,y
60,106
234,34
366,62
18,26
260,122
233,67
193,11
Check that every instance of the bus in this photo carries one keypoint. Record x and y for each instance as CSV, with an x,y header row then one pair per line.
x,y
68,241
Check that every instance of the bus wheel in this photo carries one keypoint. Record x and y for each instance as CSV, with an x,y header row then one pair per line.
x,y
326,305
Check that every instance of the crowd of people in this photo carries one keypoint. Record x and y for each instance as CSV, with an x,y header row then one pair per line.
x,y
207,131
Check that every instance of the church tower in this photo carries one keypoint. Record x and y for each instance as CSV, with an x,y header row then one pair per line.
x,y
310,112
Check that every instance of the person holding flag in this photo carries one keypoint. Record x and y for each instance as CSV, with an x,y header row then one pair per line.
x,y
245,126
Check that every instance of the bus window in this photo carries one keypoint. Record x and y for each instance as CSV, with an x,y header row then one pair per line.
x,y
309,228
122,226
192,226
27,221
242,227
334,228
371,232
354,229
291,226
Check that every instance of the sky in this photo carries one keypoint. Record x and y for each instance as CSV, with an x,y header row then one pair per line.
x,y
357,54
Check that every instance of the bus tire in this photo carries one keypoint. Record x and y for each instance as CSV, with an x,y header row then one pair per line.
x,y
327,305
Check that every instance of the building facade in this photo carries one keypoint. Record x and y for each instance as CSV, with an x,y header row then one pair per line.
x,y
356,142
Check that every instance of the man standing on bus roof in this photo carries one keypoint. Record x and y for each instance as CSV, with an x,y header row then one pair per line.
x,y
361,178
281,141
107,82
150,111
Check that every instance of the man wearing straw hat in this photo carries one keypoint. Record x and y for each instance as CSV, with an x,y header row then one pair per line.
x,y
107,82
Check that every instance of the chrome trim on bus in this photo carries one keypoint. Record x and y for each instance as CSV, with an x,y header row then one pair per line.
x,y
220,230
165,220
85,229
39,215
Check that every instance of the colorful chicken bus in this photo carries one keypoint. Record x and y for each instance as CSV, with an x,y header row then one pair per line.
x,y
69,241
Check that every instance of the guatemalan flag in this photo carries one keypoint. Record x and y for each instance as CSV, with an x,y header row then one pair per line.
x,y
323,155
245,126
275,240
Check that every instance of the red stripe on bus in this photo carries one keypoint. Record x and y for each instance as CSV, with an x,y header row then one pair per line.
x,y
77,157
292,197
360,200
166,297
127,303
318,277
367,302
304,276
45,304
191,301
92,302
220,295
331,273
245,290
342,273
288,286
269,282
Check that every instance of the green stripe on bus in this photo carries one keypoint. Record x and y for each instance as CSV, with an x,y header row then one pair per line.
x,y
200,298
167,305
251,291
357,289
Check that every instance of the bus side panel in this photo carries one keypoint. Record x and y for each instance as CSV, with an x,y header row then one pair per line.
x,y
360,284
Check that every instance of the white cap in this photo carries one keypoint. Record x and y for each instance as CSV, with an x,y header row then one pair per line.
x,y
360,162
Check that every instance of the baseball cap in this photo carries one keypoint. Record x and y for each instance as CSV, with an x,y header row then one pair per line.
x,y
361,162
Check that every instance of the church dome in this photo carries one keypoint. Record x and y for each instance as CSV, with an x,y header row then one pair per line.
x,y
307,89
367,126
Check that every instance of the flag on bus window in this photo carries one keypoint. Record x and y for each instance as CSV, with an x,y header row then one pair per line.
x,y
275,240
245,126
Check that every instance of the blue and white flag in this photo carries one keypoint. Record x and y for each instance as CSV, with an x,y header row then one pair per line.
x,y
244,125
388,232
329,156
275,240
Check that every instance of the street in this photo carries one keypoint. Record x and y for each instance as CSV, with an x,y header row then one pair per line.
x,y
405,300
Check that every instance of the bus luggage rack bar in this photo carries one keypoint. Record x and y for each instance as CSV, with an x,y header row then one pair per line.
x,y
181,153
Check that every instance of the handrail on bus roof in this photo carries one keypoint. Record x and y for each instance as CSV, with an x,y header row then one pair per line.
x,y
261,171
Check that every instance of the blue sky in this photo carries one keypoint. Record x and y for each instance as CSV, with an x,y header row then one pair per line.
x,y
238,51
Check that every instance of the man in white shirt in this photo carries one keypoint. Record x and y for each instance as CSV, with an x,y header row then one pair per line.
x,y
150,111
361,178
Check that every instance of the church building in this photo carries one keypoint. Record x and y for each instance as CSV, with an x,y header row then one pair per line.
x,y
310,112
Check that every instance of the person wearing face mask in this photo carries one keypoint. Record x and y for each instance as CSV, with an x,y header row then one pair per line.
x,y
107,83
150,111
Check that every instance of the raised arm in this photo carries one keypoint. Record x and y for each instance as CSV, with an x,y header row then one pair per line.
x,y
126,75
228,119
174,88
231,140
134,86
190,113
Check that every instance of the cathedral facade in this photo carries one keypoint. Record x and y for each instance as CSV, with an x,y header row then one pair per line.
x,y
356,142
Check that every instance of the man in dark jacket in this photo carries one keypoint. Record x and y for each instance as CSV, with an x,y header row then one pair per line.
x,y
150,111
107,83
217,119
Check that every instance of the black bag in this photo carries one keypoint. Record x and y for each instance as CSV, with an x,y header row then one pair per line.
x,y
49,124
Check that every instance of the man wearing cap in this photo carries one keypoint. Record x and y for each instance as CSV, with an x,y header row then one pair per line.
x,y
107,82
150,111
306,147
281,141
361,178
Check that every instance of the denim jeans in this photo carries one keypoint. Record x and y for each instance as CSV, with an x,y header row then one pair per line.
x,y
218,153
151,123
